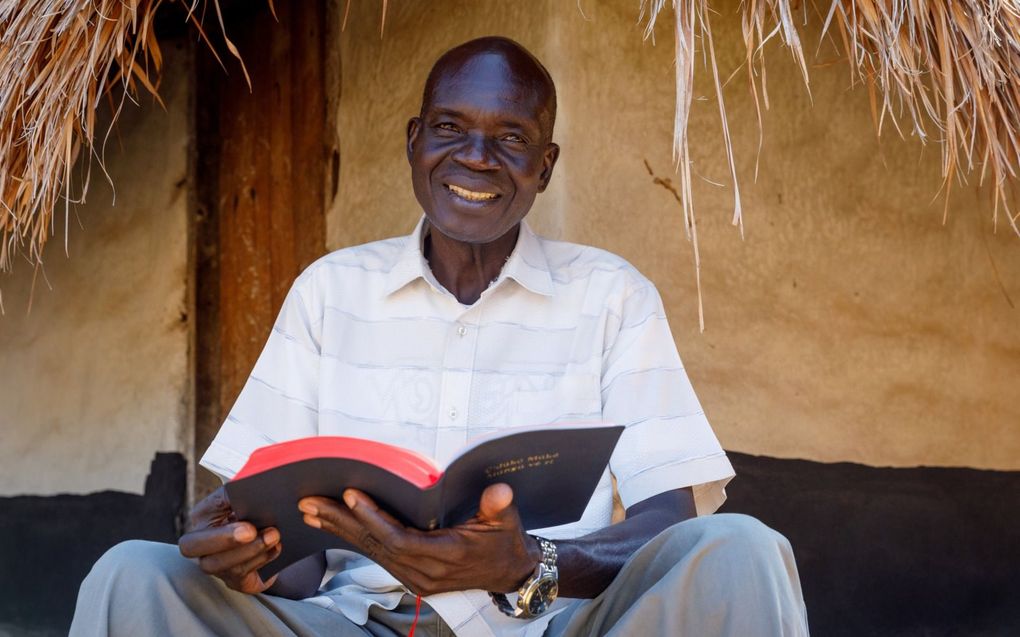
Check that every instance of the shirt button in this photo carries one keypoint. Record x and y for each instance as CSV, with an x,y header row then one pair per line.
x,y
461,330
453,414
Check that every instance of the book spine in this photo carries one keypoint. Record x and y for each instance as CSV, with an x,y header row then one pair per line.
x,y
435,510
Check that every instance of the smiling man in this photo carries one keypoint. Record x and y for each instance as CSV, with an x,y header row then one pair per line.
x,y
470,325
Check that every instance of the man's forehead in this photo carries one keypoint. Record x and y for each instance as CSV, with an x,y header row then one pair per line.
x,y
487,72
483,63
481,91
485,84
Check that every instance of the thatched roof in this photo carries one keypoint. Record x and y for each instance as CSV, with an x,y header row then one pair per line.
x,y
946,71
941,70
59,60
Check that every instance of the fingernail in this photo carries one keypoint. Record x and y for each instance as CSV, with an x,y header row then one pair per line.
x,y
313,521
350,500
270,537
307,507
244,533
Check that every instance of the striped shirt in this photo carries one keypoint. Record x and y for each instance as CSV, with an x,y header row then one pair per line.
x,y
369,344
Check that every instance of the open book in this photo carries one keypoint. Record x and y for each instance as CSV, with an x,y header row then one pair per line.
x,y
553,471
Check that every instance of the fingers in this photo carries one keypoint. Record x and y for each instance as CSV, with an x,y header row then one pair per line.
x,y
362,523
213,508
360,513
215,501
328,515
495,502
378,522
246,574
216,540
236,562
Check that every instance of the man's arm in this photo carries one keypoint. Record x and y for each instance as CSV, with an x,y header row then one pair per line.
x,y
587,565
492,551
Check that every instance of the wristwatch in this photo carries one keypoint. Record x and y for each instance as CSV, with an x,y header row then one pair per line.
x,y
537,592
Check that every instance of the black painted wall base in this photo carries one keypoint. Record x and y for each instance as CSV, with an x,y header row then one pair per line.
x,y
48,544
883,552
899,552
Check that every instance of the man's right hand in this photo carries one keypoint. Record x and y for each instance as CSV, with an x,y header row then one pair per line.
x,y
231,550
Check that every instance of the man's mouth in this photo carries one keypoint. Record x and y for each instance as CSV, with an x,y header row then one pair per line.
x,y
471,195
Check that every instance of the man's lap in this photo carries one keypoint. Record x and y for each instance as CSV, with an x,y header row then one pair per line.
x,y
685,566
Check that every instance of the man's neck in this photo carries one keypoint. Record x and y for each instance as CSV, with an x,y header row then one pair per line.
x,y
467,269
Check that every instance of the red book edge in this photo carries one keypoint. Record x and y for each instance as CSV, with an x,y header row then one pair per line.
x,y
409,465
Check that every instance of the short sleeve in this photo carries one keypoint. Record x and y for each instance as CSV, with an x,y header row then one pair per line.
x,y
279,401
667,442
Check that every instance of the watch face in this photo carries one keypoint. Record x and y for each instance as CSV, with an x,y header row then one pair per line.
x,y
543,593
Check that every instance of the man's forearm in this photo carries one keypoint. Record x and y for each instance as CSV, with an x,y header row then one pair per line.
x,y
587,565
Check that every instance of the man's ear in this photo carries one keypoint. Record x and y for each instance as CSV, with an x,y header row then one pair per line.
x,y
549,157
413,128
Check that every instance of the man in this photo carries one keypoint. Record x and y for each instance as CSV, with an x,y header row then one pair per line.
x,y
470,325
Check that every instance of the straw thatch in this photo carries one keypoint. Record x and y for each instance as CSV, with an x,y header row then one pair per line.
x,y
59,60
942,70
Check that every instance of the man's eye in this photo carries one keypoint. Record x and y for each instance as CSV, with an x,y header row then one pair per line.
x,y
447,127
514,139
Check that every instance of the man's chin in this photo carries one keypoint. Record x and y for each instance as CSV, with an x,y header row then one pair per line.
x,y
468,228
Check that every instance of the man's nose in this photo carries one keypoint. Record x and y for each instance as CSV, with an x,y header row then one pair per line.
x,y
476,153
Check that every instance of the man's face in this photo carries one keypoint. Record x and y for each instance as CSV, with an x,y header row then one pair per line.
x,y
480,151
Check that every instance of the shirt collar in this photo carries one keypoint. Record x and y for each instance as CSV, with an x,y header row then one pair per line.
x,y
527,264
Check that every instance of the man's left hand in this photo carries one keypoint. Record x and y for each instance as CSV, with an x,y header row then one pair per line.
x,y
490,552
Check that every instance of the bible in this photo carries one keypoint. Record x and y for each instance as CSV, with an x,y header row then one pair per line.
x,y
553,471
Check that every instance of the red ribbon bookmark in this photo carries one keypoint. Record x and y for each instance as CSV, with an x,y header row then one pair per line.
x,y
417,612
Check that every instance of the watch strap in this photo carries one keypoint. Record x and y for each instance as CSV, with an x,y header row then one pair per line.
x,y
503,604
547,563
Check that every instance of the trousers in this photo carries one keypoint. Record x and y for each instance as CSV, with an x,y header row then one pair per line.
x,y
723,574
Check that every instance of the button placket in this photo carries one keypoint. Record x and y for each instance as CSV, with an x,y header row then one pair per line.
x,y
455,396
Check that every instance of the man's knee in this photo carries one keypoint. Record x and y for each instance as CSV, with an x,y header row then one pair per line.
x,y
726,533
140,564
744,530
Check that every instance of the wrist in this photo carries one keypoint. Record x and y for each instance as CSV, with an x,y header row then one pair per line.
x,y
526,566
538,591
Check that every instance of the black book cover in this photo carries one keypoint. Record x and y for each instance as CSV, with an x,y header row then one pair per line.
x,y
552,470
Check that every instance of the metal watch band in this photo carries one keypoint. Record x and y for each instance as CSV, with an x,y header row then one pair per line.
x,y
548,562
548,552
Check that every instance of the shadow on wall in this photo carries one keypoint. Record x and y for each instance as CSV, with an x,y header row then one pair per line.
x,y
48,544
898,552
890,552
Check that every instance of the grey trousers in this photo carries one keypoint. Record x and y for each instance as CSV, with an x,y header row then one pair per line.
x,y
723,574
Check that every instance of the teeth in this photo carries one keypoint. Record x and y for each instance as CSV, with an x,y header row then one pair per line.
x,y
471,195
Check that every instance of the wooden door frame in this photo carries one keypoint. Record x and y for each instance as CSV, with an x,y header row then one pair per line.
x,y
265,167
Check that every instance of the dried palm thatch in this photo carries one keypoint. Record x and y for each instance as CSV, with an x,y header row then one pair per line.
x,y
58,60
943,70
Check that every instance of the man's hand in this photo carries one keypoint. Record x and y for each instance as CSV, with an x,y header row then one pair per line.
x,y
490,551
232,551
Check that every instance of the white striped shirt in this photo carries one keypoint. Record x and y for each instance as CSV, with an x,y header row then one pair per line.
x,y
369,344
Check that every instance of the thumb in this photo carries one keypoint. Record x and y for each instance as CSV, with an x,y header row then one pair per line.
x,y
496,501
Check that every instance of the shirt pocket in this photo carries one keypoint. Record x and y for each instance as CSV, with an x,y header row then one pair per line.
x,y
568,398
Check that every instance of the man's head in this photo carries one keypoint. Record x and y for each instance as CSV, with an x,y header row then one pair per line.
x,y
481,148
